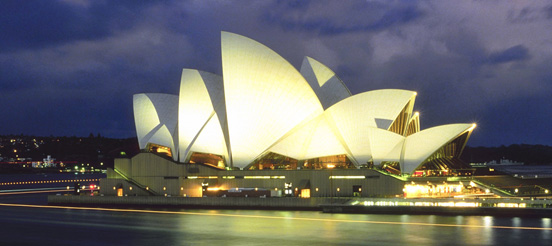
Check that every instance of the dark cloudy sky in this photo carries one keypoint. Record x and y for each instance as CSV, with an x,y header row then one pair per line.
x,y
70,67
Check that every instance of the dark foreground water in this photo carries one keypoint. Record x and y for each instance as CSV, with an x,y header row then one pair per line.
x,y
25,220
62,226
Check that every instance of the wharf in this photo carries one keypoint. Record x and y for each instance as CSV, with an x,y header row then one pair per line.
x,y
511,207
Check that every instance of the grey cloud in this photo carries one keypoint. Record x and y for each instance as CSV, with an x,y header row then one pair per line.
x,y
524,15
321,16
548,11
515,53
39,24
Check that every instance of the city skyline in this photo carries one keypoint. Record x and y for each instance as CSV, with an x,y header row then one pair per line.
x,y
71,67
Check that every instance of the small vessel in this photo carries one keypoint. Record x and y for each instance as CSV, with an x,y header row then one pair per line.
x,y
503,162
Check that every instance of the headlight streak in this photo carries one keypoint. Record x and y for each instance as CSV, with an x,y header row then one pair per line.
x,y
32,192
275,217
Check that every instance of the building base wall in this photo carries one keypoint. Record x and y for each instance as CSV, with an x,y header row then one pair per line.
x,y
168,178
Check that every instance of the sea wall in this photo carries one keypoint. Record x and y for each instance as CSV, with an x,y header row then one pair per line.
x,y
195,202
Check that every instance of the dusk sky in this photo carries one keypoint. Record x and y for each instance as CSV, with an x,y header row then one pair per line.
x,y
70,67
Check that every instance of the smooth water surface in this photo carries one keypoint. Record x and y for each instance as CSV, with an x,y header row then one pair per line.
x,y
62,226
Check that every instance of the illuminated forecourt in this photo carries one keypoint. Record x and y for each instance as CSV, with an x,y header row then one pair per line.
x,y
262,113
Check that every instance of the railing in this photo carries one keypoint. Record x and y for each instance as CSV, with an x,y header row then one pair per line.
x,y
130,180
493,188
390,174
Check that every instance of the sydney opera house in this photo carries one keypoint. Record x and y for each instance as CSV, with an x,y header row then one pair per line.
x,y
264,127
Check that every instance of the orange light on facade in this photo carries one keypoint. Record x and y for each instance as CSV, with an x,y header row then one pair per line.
x,y
305,193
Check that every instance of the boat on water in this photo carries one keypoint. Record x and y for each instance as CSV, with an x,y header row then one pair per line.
x,y
504,162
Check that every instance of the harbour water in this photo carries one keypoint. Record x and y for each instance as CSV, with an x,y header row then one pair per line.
x,y
63,226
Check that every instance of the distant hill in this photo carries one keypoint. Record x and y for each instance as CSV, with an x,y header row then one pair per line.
x,y
526,153
91,149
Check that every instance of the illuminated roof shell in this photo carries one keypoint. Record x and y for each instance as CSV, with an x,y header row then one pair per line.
x,y
155,116
266,97
419,146
327,86
201,114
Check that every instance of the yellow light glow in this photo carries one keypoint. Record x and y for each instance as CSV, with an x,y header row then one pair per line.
x,y
264,177
213,188
348,177
30,192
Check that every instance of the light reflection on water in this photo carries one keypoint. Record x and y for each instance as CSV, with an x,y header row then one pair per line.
x,y
254,227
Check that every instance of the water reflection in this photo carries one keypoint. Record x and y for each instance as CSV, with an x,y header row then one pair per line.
x,y
545,223
239,227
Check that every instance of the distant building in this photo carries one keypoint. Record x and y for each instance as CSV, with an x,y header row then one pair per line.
x,y
46,163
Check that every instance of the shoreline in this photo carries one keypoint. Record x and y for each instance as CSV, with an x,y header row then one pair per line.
x,y
418,206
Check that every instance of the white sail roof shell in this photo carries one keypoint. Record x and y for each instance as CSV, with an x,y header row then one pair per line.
x,y
421,145
327,86
266,97
355,116
155,117
200,113
314,139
